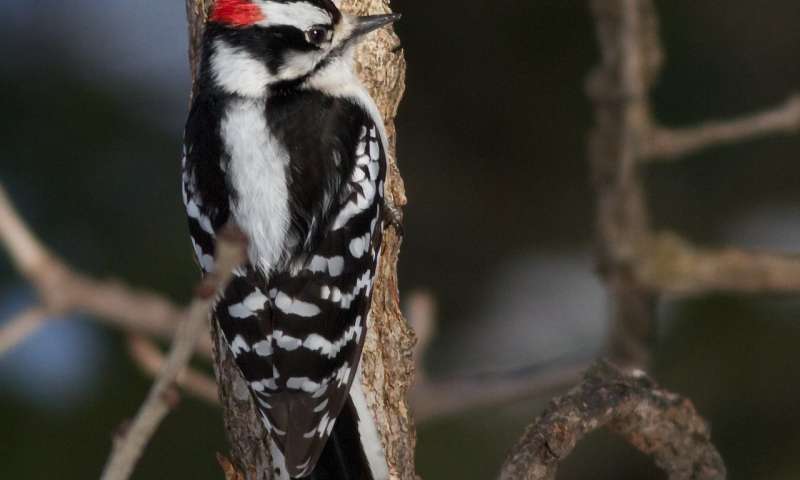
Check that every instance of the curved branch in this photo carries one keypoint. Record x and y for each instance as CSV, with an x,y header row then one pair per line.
x,y
658,423
62,288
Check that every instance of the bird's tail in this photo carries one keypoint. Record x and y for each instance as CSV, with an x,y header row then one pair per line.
x,y
354,450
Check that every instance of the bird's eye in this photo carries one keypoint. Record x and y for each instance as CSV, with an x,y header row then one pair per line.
x,y
318,35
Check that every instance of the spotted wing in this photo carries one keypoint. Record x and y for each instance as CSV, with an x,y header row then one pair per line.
x,y
298,336
205,192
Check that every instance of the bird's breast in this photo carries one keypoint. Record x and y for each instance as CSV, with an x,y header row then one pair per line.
x,y
257,172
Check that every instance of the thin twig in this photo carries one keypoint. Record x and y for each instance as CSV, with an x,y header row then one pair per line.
x,y
657,422
148,356
28,254
130,446
436,398
431,398
666,144
19,328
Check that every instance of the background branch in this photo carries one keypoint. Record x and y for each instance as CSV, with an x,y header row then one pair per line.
x,y
658,423
628,37
670,144
62,289
148,356
427,399
638,265
19,328
453,396
128,448
672,265
432,398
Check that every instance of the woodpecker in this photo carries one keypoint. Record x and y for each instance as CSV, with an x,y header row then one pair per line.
x,y
283,141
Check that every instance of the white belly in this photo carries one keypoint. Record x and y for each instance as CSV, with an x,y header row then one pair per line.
x,y
257,172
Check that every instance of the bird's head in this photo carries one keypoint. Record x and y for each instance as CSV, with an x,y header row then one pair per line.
x,y
255,44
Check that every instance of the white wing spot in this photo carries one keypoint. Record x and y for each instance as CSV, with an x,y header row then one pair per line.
x,y
333,265
358,175
239,345
302,383
247,307
263,348
238,310
292,306
359,245
286,342
255,301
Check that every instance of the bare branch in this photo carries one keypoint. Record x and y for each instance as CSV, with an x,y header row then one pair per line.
x,y
230,252
431,398
657,422
674,266
669,144
19,328
148,356
627,32
63,289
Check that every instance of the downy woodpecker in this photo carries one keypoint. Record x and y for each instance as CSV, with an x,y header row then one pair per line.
x,y
283,141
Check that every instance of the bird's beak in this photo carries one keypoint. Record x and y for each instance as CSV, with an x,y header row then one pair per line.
x,y
368,23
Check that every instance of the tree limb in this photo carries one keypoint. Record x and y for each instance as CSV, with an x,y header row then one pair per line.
x,y
627,32
62,289
657,422
671,265
666,144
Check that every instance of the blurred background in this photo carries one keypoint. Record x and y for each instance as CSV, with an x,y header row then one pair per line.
x,y
492,147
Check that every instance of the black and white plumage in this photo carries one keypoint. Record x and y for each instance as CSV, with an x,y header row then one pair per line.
x,y
284,141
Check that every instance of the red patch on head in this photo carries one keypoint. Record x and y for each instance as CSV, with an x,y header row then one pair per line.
x,y
237,13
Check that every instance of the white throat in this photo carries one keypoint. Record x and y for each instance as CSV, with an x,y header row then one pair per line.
x,y
237,72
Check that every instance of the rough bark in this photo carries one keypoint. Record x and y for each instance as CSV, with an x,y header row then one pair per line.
x,y
658,423
387,361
